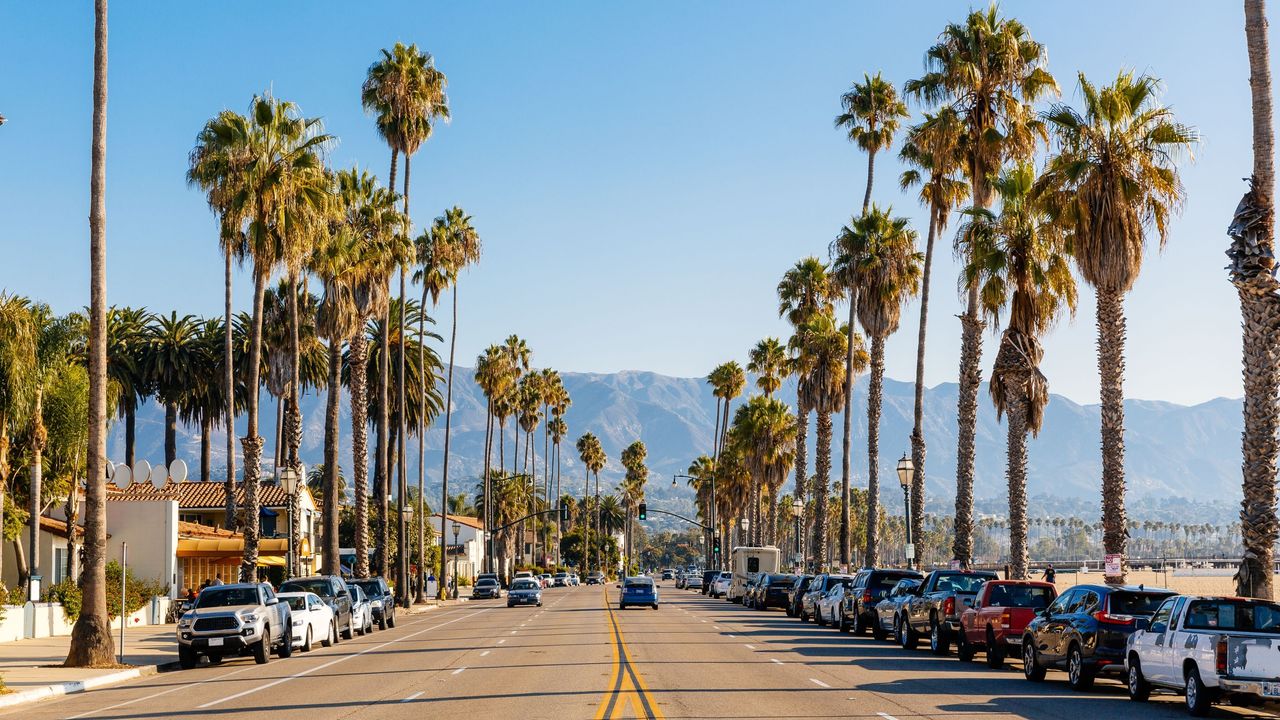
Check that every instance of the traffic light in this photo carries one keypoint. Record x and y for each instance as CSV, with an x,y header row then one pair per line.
x,y
643,511
564,512
716,547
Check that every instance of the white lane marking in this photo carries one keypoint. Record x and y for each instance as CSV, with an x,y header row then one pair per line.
x,y
331,663
513,632
414,696
728,636
486,652
502,641
162,692
749,647
887,716
715,627
775,660
455,672
818,682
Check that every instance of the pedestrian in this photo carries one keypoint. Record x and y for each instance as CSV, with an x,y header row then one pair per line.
x,y
217,579
191,594
1050,574
207,582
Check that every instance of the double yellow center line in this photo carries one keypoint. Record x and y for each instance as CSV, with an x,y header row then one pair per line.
x,y
626,687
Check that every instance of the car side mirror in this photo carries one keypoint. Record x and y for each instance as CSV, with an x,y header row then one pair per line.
x,y
273,601
1141,623
1046,613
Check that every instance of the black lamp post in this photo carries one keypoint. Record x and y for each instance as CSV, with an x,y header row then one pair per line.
x,y
456,529
289,483
797,509
905,470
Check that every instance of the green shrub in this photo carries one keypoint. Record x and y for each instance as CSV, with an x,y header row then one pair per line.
x,y
68,594
138,593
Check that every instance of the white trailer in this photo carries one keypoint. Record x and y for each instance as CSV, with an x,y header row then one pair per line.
x,y
748,562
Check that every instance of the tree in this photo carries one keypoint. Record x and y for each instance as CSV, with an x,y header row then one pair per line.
x,y
172,353
91,643
766,432
19,376
593,457
1113,179
127,341
989,72
632,490
1252,253
768,360
490,377
1025,251
878,256
934,151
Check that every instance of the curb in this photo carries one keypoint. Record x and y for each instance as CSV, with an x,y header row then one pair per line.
x,y
78,686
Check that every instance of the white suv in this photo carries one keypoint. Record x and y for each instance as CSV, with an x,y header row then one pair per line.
x,y
720,585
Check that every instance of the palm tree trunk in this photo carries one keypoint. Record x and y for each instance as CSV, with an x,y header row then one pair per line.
x,y
1260,311
871,176
917,427
1111,332
39,436
293,415
802,461
1017,473
967,419
206,458
599,568
822,463
873,451
382,468
332,498
229,387
130,431
358,366
484,481
448,415
846,459
170,433
251,442
91,642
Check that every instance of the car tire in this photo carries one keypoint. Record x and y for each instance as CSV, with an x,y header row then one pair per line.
x,y
1139,688
877,631
859,625
382,621
262,650
349,633
1079,674
1031,669
995,651
964,648
187,657
306,643
391,621
286,645
939,642
655,606
332,637
622,606
843,624
907,636
1199,698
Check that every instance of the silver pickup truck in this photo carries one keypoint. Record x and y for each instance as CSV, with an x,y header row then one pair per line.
x,y
240,619
936,608
1209,649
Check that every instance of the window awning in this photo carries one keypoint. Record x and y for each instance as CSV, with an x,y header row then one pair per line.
x,y
271,551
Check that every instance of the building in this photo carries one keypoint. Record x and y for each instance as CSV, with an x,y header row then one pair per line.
x,y
468,550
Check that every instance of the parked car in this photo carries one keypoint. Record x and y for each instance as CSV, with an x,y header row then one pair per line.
x,y
935,610
693,582
237,619
573,580
524,591
681,579
1209,649
999,615
312,620
486,588
333,590
819,586
668,574
749,591
720,585
546,579
639,591
1086,630
870,586
707,577
827,611
595,578
795,595
490,576
381,602
560,579
890,608
772,591
361,610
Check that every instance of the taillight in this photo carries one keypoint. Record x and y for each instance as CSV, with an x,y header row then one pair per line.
x,y
1220,656
1103,616
949,606
866,597
1004,618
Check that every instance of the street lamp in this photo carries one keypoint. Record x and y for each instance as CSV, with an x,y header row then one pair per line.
x,y
905,471
745,524
405,520
289,480
456,529
797,509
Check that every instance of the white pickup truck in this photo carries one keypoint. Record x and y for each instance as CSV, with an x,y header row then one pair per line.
x,y
1209,649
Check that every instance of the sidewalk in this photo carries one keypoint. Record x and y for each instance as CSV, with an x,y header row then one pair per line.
x,y
32,670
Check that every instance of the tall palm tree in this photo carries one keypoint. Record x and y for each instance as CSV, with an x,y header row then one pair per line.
x,y
1252,253
989,72
91,643
632,491
20,333
1023,250
172,354
1113,180
127,341
203,403
450,246
728,380
878,255
593,457
490,376
768,360
767,432
820,348
934,152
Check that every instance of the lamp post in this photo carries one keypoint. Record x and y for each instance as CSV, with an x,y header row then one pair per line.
x,y
456,529
745,524
797,509
406,519
289,483
905,470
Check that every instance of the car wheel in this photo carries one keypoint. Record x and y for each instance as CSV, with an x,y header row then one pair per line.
x,y
655,606
391,621
859,625
995,651
1139,688
262,650
939,643
622,606
332,637
286,645
1079,675
349,632
1031,669
964,648
1199,698
187,657
877,631
843,624
306,643
382,621
907,637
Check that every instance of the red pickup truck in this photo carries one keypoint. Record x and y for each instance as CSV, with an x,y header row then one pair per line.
x,y
998,616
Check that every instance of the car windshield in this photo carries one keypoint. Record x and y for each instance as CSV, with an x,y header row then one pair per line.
x,y
524,584
961,582
781,581
839,582
641,582
370,587
881,584
227,597
1021,596
1261,617
317,586
1135,603
486,581
296,602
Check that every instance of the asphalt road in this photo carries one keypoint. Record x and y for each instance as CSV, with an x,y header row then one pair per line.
x,y
577,657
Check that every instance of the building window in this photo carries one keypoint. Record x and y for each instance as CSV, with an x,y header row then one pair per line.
x,y
191,518
59,565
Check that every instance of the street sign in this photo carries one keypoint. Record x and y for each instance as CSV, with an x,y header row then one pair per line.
x,y
1112,562
955,564
911,551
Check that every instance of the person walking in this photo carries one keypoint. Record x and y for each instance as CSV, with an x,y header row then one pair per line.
x,y
1050,575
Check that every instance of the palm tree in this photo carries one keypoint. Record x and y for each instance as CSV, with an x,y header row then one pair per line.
x,y
452,245
1252,253
934,151
490,376
766,430
729,381
171,355
126,344
632,490
1113,179
989,71
1025,251
878,255
20,333
593,457
203,403
820,349
768,360
91,643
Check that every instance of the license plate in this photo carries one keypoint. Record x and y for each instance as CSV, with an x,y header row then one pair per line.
x,y
1270,689
215,641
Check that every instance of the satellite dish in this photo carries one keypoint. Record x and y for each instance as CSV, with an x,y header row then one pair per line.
x,y
159,475
122,477
111,470
178,470
141,471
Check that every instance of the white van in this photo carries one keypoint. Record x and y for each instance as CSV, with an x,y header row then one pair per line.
x,y
748,562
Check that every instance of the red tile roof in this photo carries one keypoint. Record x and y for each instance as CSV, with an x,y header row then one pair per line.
x,y
467,520
57,527
196,495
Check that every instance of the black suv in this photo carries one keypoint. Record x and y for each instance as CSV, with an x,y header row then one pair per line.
x,y
870,586
795,596
771,591
333,590
381,602
708,576
1086,631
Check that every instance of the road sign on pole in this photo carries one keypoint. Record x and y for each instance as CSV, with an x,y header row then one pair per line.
x,y
1112,563
911,551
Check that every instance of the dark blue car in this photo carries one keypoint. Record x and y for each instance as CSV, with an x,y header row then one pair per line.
x,y
638,591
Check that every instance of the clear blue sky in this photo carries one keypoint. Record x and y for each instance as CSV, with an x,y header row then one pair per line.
x,y
641,174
